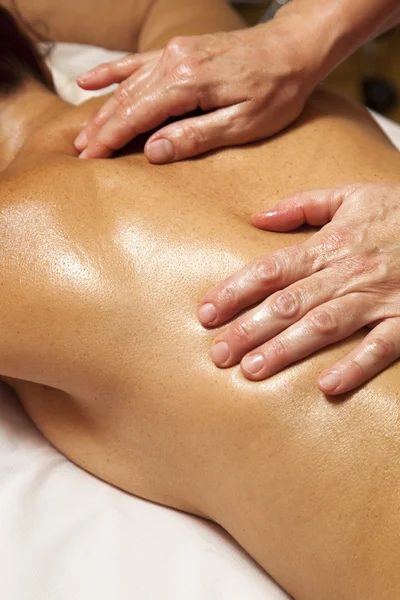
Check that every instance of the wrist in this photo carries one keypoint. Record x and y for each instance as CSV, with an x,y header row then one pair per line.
x,y
313,32
326,33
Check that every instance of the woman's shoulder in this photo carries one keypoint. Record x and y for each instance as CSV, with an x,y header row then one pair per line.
x,y
36,178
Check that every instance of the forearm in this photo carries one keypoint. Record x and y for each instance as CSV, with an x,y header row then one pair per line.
x,y
328,32
169,18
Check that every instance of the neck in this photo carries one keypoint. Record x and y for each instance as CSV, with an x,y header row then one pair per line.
x,y
22,114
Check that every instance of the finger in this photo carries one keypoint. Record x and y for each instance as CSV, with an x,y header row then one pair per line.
x,y
91,129
115,71
378,350
324,325
313,208
254,282
138,115
197,135
274,315
95,123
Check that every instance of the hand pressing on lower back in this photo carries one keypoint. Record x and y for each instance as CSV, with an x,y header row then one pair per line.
x,y
344,278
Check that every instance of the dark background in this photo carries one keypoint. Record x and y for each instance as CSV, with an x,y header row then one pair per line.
x,y
371,75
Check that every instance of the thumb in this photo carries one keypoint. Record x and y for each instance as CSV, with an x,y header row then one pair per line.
x,y
316,207
197,135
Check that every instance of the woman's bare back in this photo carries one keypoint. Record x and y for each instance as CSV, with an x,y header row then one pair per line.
x,y
105,262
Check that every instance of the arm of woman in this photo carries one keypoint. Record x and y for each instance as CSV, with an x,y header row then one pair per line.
x,y
167,19
135,26
116,26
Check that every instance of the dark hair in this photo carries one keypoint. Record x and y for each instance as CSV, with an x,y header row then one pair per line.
x,y
19,57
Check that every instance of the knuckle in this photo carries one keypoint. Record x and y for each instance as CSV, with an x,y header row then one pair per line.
x,y
124,113
356,368
176,46
279,349
381,349
242,333
194,138
121,94
228,295
287,304
267,271
323,320
186,71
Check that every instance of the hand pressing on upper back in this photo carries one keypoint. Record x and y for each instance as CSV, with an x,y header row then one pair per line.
x,y
249,83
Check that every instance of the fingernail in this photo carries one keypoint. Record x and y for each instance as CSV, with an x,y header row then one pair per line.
x,y
160,151
83,154
85,76
268,214
81,140
220,353
253,364
207,313
330,382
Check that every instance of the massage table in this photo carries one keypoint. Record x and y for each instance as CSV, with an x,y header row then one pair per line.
x,y
65,535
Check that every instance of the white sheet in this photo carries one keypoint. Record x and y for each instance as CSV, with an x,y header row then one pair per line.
x,y
65,535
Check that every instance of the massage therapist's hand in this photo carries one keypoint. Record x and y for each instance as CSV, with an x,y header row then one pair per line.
x,y
319,292
250,84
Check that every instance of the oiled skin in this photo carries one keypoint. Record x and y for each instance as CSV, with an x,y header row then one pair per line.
x,y
102,265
